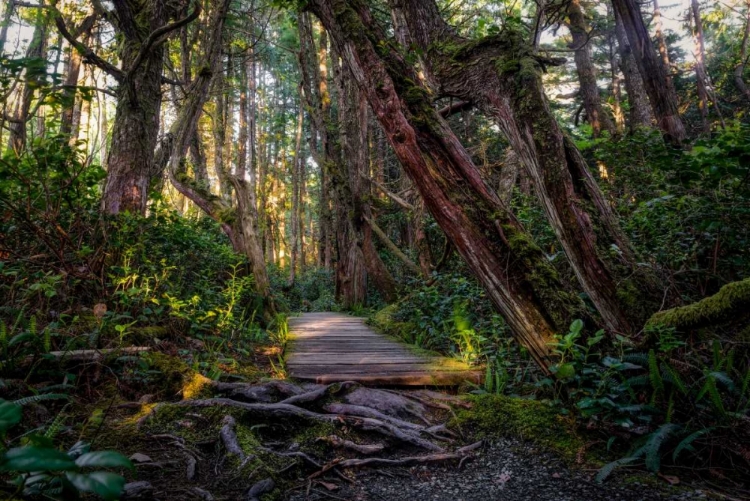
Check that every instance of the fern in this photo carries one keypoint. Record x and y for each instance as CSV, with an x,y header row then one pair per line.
x,y
718,359
488,379
38,398
686,443
713,393
55,427
657,383
3,336
32,326
652,448
636,358
745,384
671,375
47,340
607,469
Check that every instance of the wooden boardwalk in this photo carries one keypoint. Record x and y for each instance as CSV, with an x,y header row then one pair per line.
x,y
330,347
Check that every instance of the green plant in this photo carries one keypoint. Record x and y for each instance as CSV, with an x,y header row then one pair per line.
x,y
43,470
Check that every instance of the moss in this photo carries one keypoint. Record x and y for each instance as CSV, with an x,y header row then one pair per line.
x,y
497,415
542,277
729,304
178,378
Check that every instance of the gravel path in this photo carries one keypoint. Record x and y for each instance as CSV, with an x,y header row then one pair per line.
x,y
506,470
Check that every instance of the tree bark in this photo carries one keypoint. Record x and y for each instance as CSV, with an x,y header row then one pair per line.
x,y
512,269
295,212
654,71
640,110
589,89
502,76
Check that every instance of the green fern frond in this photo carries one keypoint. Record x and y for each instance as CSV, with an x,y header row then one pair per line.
x,y
653,445
488,379
686,443
38,398
32,326
3,336
657,383
636,358
55,427
713,393
718,359
607,469
671,375
47,340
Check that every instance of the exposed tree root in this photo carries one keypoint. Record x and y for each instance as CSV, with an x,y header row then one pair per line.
x,y
320,393
260,488
268,392
229,439
361,411
365,449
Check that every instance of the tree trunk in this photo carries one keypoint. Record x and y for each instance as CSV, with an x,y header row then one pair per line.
x,y
509,265
35,50
502,76
136,125
661,40
654,71
295,212
640,110
589,90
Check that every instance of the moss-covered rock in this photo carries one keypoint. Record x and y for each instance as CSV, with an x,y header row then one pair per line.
x,y
730,304
497,415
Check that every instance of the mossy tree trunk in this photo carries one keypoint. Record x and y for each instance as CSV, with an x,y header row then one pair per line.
x,y
512,269
502,76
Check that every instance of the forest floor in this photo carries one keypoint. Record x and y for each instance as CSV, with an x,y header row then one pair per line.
x,y
276,439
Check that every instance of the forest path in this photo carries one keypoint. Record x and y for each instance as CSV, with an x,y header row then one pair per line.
x,y
332,347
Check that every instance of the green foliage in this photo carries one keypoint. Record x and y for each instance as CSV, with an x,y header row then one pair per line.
x,y
452,316
688,401
40,469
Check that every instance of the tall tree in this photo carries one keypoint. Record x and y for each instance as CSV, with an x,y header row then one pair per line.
x,y
142,26
587,75
640,111
654,71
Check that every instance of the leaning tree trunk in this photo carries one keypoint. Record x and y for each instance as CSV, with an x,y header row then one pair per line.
x,y
653,70
512,269
589,90
243,234
502,76
640,110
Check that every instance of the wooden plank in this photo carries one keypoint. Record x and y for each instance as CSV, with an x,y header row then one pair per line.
x,y
328,347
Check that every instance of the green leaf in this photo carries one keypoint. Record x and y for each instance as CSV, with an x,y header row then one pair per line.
x,y
28,459
105,484
10,415
103,459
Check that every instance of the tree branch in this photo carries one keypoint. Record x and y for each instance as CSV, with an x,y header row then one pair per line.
x,y
89,56
393,247
156,37
400,201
